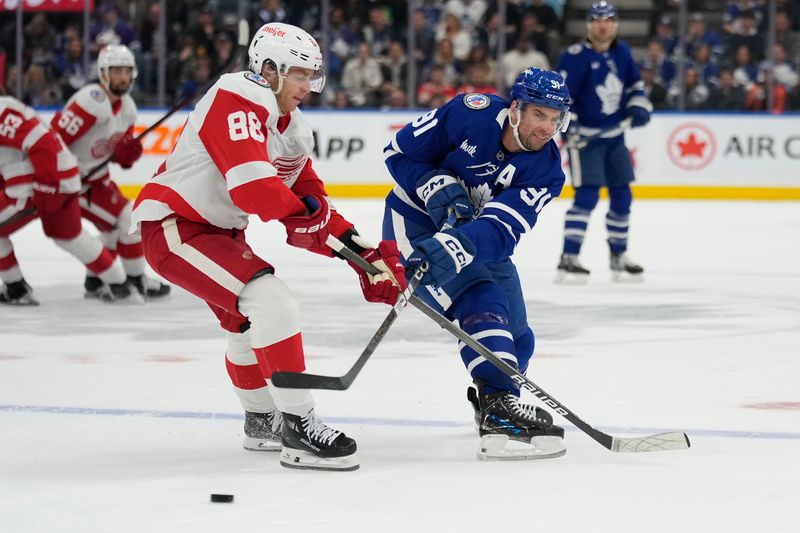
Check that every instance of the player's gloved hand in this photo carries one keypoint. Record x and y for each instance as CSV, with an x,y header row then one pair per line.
x,y
386,286
447,253
127,151
309,230
572,135
639,116
46,198
444,196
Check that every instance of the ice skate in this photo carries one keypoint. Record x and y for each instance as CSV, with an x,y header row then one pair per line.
x,y
310,444
262,431
570,271
17,293
112,293
149,289
528,409
623,269
508,432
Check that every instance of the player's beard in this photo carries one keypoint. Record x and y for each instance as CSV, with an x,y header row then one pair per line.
x,y
121,89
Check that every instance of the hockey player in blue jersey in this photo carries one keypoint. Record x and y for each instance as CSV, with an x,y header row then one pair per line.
x,y
471,178
609,97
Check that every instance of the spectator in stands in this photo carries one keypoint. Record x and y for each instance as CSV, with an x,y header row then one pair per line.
x,y
522,56
450,29
341,100
478,80
698,34
149,39
478,55
695,92
785,73
204,30
469,12
727,96
111,29
223,50
435,91
377,33
424,40
745,35
706,68
756,96
394,67
733,11
663,67
534,31
70,73
342,41
201,76
654,90
745,71
396,100
664,34
361,78
787,37
445,58
37,90
269,11
40,37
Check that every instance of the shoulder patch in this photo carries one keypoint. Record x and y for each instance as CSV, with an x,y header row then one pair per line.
x,y
98,95
575,49
255,78
476,101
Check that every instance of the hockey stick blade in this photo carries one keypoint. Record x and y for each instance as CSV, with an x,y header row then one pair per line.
x,y
298,380
651,443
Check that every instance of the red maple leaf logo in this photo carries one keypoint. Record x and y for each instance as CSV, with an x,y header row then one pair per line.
x,y
691,147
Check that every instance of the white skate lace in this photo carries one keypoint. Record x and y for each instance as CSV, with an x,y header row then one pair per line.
x,y
318,431
525,411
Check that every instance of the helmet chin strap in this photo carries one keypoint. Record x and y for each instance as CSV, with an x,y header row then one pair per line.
x,y
515,129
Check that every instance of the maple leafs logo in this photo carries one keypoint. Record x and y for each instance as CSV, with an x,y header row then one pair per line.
x,y
479,196
610,94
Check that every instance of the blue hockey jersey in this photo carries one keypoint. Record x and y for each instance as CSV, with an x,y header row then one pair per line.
x,y
507,189
602,84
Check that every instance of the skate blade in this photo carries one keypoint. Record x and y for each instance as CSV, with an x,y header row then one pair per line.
x,y
624,277
21,302
262,445
501,448
299,459
566,278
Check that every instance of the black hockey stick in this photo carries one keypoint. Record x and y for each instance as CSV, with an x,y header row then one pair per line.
x,y
675,440
241,48
298,380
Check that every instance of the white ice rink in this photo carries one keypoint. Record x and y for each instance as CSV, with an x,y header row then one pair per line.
x,y
121,418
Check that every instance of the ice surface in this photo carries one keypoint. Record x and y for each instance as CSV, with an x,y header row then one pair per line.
x,y
121,418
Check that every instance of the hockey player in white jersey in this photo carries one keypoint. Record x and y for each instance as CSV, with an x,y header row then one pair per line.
x,y
40,180
95,123
245,151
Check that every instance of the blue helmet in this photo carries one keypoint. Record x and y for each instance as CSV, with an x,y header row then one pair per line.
x,y
541,87
601,10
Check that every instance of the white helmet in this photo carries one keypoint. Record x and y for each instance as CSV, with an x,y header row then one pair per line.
x,y
115,55
286,46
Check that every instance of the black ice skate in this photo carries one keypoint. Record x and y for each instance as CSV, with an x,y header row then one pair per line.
x,y
149,288
262,431
509,431
17,293
623,269
529,409
570,271
112,293
310,444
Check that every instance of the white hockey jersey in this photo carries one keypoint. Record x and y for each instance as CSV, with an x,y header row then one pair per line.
x,y
30,151
92,126
236,156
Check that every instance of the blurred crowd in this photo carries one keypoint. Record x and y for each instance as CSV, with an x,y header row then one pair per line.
x,y
456,49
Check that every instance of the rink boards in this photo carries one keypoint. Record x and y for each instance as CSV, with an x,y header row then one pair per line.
x,y
692,156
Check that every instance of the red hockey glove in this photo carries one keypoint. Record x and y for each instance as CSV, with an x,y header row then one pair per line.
x,y
127,151
387,286
311,230
46,198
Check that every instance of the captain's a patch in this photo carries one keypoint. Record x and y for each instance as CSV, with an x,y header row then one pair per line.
x,y
255,78
476,101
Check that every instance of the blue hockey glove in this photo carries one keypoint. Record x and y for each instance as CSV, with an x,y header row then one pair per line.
x,y
447,253
639,116
444,196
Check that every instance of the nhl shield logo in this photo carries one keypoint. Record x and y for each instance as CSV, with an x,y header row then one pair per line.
x,y
476,101
255,78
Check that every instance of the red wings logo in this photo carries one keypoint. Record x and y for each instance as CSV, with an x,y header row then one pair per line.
x,y
102,148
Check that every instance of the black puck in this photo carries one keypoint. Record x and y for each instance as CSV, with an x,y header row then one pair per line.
x,y
222,498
